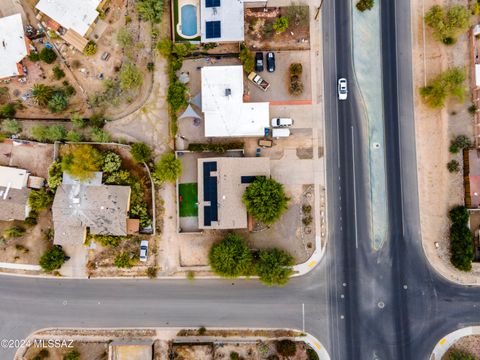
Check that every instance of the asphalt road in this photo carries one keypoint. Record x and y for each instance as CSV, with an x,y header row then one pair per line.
x,y
359,303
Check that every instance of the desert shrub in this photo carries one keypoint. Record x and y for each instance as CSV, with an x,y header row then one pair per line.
x,y
307,220
231,257
123,260
472,109
77,121
90,48
74,136
152,272
164,47
124,37
34,57
296,87
459,143
312,354
447,22
58,73
14,232
191,275
461,247
281,24
55,175
447,84
234,356
8,110
453,166
109,240
307,209
176,95
458,215
363,5
201,331
247,59
111,162
295,69
72,355
130,77
97,120
52,259
169,168
58,102
40,200
286,347
11,126
47,55
265,200
141,152
31,219
150,10
99,135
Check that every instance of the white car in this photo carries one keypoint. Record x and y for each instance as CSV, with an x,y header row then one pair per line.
x,y
144,250
342,89
281,122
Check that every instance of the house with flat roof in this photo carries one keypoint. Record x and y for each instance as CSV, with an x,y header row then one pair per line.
x,y
13,46
73,20
14,192
221,184
225,112
222,21
103,209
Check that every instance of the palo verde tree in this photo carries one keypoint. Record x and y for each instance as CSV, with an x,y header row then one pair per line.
x,y
449,83
265,200
81,161
447,22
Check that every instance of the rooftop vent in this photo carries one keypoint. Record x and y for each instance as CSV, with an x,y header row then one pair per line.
x,y
228,92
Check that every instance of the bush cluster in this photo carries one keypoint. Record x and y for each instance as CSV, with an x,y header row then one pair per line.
x,y
52,259
296,85
218,148
246,58
449,83
363,5
461,239
232,258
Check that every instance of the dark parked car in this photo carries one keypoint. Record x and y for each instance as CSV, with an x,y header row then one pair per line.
x,y
259,61
270,62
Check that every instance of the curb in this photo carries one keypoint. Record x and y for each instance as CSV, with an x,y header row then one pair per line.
x,y
309,339
447,341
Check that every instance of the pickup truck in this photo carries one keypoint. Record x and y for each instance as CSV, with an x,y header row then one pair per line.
x,y
258,80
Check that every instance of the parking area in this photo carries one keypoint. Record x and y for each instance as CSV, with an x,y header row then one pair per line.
x,y
278,92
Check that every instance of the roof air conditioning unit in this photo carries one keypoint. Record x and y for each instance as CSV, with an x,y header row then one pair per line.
x,y
228,92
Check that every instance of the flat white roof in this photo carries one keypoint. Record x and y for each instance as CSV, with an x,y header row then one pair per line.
x,y
225,113
13,177
230,13
12,45
77,15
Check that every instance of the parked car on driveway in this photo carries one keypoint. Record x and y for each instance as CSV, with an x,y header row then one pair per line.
x,y
259,61
282,122
342,89
144,250
270,62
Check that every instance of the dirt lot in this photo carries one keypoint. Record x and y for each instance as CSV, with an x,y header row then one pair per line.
x,y
28,248
260,35
87,350
438,189
34,157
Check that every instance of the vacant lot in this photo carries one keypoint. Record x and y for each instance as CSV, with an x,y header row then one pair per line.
x,y
34,157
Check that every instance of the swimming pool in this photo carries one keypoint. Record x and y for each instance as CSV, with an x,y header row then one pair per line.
x,y
189,20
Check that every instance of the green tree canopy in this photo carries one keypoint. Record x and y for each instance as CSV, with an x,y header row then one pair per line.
x,y
81,161
247,59
58,102
274,267
55,175
150,10
459,215
448,83
52,259
141,152
231,257
11,126
48,55
363,5
265,200
40,200
169,168
42,94
447,22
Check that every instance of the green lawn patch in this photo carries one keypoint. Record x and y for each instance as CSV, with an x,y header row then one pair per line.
x,y
188,198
